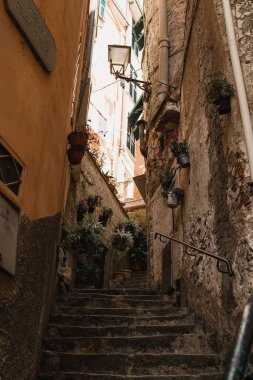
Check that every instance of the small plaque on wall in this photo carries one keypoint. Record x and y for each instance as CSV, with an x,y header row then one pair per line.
x,y
29,20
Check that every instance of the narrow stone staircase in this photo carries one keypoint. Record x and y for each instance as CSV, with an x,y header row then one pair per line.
x,y
126,333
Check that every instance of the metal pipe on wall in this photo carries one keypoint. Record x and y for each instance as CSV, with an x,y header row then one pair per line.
x,y
163,51
239,81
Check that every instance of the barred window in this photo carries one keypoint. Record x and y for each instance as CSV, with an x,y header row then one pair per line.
x,y
10,170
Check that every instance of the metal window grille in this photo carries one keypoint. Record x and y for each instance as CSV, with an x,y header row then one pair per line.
x,y
10,170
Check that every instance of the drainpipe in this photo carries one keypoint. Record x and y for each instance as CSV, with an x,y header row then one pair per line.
x,y
163,52
239,81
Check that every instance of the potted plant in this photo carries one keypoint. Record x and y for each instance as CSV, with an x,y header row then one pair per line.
x,y
138,253
75,155
132,226
218,91
175,197
105,216
180,151
82,209
121,240
93,202
78,138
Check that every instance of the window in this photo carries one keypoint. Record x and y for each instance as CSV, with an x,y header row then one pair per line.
x,y
130,140
102,8
132,86
134,43
10,170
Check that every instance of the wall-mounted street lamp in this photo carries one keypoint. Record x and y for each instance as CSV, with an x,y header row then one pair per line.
x,y
119,57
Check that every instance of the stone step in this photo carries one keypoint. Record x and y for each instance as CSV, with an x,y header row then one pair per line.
x,y
110,303
76,294
55,330
117,291
121,320
89,376
138,364
130,311
177,343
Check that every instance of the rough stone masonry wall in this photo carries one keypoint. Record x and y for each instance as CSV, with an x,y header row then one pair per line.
x,y
92,182
27,297
217,212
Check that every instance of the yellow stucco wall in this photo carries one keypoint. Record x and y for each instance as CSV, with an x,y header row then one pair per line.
x,y
36,106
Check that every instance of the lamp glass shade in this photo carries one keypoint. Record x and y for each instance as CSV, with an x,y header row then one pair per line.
x,y
119,57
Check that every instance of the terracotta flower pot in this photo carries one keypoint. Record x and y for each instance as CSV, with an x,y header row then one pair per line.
x,y
127,273
223,105
78,139
119,276
184,160
75,155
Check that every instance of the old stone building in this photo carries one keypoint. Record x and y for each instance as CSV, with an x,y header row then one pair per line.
x,y
185,41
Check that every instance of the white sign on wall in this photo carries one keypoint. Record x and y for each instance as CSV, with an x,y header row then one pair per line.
x,y
9,218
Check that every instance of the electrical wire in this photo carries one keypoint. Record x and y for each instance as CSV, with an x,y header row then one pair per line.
x,y
110,84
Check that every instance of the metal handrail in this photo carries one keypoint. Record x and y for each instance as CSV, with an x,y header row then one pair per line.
x,y
243,345
218,258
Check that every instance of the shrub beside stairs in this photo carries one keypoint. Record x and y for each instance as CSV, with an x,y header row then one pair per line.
x,y
126,333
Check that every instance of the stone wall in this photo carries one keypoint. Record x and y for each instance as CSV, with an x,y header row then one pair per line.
x,y
93,182
27,297
217,212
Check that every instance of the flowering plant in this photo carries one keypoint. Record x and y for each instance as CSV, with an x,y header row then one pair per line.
x,y
179,147
82,208
119,226
83,205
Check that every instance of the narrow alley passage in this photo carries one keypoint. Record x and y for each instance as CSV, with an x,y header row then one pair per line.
x,y
126,333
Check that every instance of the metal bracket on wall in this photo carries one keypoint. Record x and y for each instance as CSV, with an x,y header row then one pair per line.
x,y
227,262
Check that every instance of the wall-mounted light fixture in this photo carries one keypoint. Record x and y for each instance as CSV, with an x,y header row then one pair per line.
x,y
119,57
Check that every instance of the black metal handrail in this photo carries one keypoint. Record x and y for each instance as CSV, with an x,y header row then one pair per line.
x,y
219,259
242,347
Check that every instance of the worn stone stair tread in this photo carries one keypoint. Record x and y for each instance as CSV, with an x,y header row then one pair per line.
x,y
138,364
90,376
114,295
109,303
75,331
121,320
174,343
117,291
115,311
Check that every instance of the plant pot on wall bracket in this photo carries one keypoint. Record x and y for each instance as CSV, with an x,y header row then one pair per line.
x,y
172,200
184,160
75,155
78,139
223,105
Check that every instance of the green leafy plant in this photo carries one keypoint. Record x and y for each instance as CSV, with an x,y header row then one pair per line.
x,y
105,216
138,252
85,237
93,202
179,193
132,226
179,147
122,240
216,86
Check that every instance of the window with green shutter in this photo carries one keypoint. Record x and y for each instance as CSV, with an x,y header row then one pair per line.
x,y
102,8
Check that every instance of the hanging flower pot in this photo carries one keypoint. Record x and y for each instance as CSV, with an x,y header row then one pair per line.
x,y
172,200
75,155
82,208
223,105
78,139
218,91
184,160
